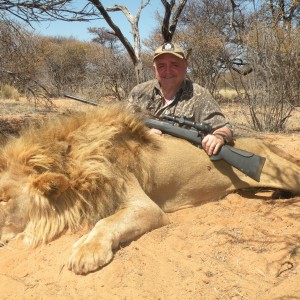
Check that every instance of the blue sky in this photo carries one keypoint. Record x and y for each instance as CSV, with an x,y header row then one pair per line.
x,y
79,30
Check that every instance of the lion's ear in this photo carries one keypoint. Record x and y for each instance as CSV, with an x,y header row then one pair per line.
x,y
51,185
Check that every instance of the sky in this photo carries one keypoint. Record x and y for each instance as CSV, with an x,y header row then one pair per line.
x,y
79,30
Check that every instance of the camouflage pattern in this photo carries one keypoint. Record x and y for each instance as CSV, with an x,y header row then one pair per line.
x,y
192,101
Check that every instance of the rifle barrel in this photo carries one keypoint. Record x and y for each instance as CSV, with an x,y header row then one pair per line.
x,y
190,135
81,100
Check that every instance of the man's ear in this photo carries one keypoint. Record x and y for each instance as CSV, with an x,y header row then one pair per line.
x,y
51,185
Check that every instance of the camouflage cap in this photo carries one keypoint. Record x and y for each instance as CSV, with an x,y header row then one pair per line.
x,y
171,49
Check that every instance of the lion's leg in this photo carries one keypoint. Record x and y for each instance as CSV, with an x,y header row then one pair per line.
x,y
139,216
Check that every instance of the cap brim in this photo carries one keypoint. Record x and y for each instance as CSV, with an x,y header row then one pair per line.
x,y
180,55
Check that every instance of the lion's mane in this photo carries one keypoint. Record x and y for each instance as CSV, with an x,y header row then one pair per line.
x,y
74,168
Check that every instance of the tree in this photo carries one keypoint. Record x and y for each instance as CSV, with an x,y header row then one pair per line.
x,y
134,52
44,10
206,29
283,13
65,63
20,62
103,37
244,39
41,10
171,12
270,44
109,74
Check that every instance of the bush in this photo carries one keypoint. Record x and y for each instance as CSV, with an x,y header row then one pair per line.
x,y
271,91
9,92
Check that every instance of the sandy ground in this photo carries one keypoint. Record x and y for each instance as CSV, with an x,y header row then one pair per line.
x,y
245,246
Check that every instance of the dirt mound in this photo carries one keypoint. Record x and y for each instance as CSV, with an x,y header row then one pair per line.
x,y
245,246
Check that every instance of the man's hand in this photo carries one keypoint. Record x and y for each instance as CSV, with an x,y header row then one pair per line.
x,y
155,131
212,143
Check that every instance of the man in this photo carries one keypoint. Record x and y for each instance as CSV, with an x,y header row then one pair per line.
x,y
172,93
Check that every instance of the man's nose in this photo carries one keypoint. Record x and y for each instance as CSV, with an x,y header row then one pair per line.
x,y
168,69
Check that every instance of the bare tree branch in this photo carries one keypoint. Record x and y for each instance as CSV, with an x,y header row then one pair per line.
x,y
116,29
234,24
44,10
284,11
134,52
176,16
168,28
134,21
166,21
233,6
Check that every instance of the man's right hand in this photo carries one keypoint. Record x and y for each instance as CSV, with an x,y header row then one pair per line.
x,y
155,131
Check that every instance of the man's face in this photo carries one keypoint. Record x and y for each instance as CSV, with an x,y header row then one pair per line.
x,y
170,70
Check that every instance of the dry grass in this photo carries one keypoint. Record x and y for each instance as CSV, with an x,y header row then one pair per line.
x,y
229,94
14,114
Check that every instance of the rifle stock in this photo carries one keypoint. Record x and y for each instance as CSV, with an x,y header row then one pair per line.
x,y
247,162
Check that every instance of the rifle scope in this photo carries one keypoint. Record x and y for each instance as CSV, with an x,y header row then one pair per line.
x,y
204,127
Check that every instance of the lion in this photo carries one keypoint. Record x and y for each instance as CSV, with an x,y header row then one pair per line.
x,y
103,170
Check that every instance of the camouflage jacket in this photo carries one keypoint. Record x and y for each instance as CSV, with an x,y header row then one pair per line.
x,y
192,101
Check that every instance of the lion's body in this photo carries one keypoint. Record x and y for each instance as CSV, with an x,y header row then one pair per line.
x,y
104,169
197,179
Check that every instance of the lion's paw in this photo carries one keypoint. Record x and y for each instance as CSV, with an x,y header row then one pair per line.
x,y
88,256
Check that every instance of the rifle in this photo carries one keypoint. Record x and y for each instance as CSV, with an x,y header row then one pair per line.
x,y
247,162
81,100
